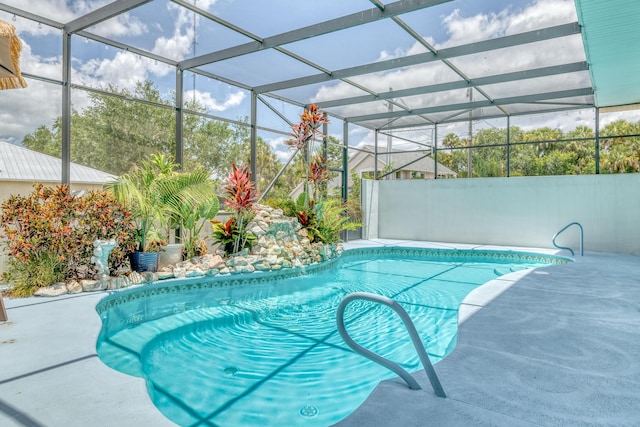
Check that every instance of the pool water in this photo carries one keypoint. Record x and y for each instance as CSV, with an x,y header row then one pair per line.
x,y
268,353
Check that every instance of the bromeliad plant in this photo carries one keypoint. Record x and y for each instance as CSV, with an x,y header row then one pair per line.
x,y
318,177
232,235
240,195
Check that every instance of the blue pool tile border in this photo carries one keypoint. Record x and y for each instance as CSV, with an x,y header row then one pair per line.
x,y
173,286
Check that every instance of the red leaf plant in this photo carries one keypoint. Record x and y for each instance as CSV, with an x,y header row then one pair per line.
x,y
240,190
318,171
240,195
309,128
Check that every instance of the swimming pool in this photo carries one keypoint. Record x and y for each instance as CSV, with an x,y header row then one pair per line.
x,y
263,349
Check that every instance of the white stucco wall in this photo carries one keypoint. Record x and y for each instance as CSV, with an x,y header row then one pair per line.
x,y
521,211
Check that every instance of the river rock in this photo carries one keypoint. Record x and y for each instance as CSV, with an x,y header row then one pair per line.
x,y
74,287
54,290
93,285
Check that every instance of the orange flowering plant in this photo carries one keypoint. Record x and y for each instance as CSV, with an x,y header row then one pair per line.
x,y
323,219
302,138
308,129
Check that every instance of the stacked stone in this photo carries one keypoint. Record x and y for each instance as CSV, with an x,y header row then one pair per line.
x,y
281,243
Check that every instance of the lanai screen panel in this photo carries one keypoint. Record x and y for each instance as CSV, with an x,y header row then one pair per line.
x,y
443,61
259,68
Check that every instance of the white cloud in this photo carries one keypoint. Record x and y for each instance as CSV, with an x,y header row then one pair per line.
x,y
468,29
122,25
22,110
40,102
629,115
57,10
181,42
280,149
64,11
204,4
539,14
123,70
205,98
415,49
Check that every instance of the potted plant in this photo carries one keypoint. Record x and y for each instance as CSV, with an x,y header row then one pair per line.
x,y
151,190
191,217
188,210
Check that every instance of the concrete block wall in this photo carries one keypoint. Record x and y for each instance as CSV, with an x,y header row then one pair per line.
x,y
519,211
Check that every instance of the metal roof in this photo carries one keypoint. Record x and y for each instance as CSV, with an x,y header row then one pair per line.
x,y
611,36
421,83
21,164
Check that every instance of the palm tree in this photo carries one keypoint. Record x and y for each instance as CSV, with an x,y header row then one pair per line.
x,y
156,194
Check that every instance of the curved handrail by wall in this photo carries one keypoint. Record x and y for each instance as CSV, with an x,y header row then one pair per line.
x,y
567,248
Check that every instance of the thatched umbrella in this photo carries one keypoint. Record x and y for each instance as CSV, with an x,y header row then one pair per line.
x,y
10,78
10,47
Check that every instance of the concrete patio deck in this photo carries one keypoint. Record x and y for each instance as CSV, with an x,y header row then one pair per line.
x,y
557,346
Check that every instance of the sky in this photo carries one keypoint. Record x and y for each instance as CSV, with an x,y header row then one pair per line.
x,y
167,29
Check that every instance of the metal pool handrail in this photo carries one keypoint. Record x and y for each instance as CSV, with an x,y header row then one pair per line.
x,y
415,338
564,247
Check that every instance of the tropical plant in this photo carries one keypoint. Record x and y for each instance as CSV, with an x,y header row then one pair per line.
x,y
232,235
302,138
240,194
324,220
333,217
191,217
155,192
288,206
40,270
50,233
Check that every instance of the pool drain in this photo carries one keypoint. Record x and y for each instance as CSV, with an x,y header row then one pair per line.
x,y
308,411
230,371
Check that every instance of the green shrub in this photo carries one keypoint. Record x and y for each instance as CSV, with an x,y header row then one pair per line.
x,y
42,269
288,206
50,233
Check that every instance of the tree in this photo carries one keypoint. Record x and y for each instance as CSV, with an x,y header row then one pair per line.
x,y
212,144
620,155
115,132
45,140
